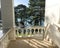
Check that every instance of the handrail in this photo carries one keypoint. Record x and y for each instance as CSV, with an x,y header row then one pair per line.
x,y
53,33
5,34
47,27
4,40
46,30
58,25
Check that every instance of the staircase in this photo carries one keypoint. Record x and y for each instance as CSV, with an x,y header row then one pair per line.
x,y
30,43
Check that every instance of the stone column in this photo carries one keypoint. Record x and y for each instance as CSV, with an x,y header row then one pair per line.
x,y
7,12
59,19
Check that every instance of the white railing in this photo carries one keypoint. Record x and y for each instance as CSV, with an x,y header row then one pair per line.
x,y
5,39
30,31
52,33
55,33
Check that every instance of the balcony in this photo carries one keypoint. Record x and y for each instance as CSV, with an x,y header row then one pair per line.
x,y
32,37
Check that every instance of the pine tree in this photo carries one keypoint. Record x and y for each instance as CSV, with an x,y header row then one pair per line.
x,y
37,10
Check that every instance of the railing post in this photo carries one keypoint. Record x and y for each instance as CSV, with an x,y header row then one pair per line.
x,y
12,34
4,42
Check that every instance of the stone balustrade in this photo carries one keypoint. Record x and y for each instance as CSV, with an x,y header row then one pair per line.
x,y
35,31
5,38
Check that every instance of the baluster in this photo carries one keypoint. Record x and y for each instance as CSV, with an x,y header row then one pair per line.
x,y
43,33
34,32
17,32
30,33
22,30
26,33
28,30
38,30
50,40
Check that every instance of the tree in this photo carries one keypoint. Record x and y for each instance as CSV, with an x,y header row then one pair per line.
x,y
37,10
33,13
20,12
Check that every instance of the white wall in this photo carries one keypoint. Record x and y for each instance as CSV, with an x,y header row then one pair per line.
x,y
52,9
0,3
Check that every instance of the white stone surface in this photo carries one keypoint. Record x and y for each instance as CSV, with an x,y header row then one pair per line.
x,y
54,34
53,9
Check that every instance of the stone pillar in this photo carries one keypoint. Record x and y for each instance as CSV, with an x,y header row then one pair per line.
x,y
7,12
59,19
52,10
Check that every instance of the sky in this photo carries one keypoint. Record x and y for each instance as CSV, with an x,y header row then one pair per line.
x,y
24,2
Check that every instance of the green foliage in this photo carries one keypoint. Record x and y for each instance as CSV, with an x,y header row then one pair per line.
x,y
33,10
29,13
20,12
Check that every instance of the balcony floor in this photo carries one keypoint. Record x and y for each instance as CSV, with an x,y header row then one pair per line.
x,y
29,43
